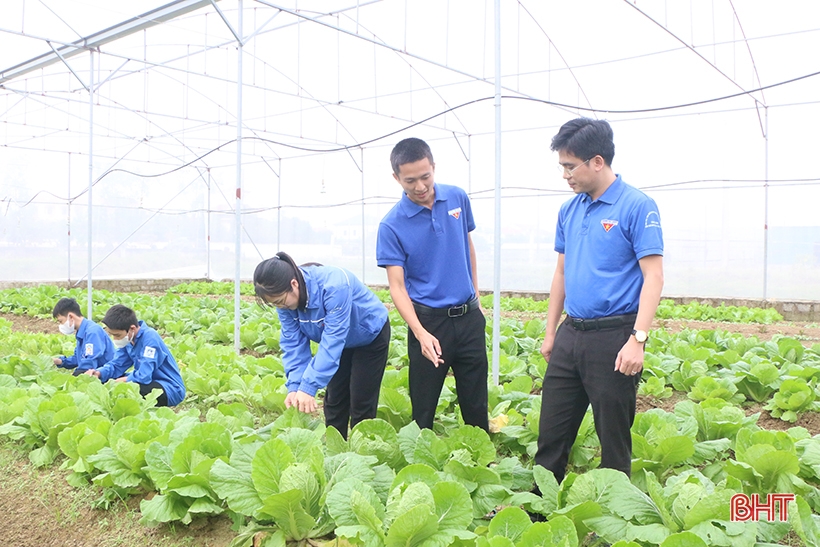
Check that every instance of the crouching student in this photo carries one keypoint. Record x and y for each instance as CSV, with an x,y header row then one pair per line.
x,y
94,347
140,346
331,306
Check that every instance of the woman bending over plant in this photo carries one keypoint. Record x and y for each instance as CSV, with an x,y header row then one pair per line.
x,y
331,306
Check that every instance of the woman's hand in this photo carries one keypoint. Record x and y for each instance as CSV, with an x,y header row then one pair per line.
x,y
302,401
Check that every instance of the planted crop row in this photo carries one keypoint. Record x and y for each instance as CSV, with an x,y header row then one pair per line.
x,y
667,309
296,480
687,463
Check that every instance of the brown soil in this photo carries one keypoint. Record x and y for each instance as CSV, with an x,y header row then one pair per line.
x,y
809,420
40,509
645,402
807,333
24,323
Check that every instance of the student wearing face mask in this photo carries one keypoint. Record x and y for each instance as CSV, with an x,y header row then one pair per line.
x,y
140,346
94,347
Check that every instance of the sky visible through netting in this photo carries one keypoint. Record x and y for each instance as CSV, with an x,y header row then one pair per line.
x,y
714,105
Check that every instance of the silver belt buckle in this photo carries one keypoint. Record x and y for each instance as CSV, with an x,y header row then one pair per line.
x,y
460,309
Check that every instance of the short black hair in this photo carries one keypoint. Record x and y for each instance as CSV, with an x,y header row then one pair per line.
x,y
272,277
585,138
409,151
64,306
119,317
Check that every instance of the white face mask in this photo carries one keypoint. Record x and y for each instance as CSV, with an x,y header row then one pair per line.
x,y
122,342
67,328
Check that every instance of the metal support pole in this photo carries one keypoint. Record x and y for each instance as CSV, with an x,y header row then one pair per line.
x,y
497,234
68,224
469,164
89,309
766,206
208,232
364,245
236,293
279,209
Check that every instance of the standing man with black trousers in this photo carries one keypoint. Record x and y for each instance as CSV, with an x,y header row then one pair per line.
x,y
424,243
608,278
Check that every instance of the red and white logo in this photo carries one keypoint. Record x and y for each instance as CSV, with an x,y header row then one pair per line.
x,y
745,507
608,224
455,213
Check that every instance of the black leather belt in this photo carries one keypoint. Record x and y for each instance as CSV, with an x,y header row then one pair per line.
x,y
611,322
455,311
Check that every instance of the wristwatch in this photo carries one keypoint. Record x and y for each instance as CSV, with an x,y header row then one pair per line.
x,y
640,335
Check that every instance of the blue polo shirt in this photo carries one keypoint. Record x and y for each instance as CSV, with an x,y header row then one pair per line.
x,y
94,347
152,362
602,241
341,312
432,246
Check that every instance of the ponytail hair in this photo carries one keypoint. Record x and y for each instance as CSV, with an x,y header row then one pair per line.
x,y
272,277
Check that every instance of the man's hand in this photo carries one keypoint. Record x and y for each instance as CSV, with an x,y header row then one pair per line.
x,y
58,361
302,401
120,379
93,372
546,346
430,348
630,358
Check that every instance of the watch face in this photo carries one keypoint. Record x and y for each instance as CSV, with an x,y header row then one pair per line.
x,y
640,336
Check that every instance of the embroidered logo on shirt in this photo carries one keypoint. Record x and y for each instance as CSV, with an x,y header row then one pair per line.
x,y
608,224
89,349
149,352
455,213
653,220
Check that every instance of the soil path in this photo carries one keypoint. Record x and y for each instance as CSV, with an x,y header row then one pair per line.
x,y
40,509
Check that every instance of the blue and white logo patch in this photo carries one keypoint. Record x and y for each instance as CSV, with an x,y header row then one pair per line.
x,y
149,352
653,220
89,349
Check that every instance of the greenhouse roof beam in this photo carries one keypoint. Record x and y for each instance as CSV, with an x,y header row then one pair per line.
x,y
373,41
111,34
57,53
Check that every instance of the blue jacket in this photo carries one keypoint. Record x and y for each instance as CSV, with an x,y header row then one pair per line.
x,y
341,312
152,362
93,350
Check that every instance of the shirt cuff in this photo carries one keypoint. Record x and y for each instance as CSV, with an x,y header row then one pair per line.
x,y
308,388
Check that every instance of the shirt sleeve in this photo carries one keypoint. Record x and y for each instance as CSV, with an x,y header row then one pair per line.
x,y
91,350
647,235
560,241
468,213
337,302
295,347
148,360
389,251
71,360
117,366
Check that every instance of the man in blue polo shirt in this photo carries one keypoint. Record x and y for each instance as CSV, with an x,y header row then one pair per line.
x,y
608,278
424,243
141,347
94,347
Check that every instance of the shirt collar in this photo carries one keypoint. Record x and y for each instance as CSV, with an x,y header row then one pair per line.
x,y
312,288
612,193
412,209
142,327
82,328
